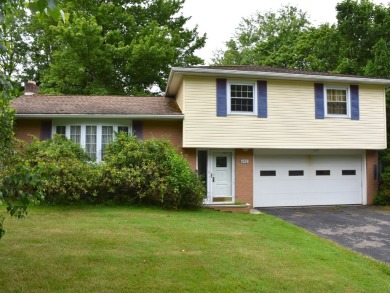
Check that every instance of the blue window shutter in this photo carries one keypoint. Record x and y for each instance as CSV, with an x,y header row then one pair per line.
x,y
137,129
221,98
46,129
354,89
319,100
262,109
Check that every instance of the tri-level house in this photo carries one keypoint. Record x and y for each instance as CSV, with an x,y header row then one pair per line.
x,y
260,135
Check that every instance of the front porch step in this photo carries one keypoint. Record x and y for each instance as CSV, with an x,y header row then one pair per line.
x,y
230,208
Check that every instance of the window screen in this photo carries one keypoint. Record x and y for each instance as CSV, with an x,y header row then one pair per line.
x,y
61,130
124,129
336,101
241,96
75,134
90,141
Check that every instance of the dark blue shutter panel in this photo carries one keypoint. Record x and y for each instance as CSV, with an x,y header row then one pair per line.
x,y
355,102
46,129
262,109
319,100
137,129
221,98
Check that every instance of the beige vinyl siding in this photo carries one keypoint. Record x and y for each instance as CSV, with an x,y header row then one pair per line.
x,y
180,97
291,120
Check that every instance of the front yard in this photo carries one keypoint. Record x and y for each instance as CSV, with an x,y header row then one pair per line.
x,y
130,249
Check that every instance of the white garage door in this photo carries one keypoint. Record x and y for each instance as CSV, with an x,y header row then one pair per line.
x,y
302,180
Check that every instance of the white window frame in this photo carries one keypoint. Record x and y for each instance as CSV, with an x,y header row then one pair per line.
x,y
84,125
228,95
348,97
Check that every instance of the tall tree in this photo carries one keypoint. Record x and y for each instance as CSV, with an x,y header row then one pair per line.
x,y
361,24
17,201
112,47
266,39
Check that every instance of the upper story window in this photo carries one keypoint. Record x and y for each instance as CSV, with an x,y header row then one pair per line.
x,y
337,102
242,97
93,138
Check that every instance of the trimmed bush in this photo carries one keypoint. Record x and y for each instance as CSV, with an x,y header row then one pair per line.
x,y
150,172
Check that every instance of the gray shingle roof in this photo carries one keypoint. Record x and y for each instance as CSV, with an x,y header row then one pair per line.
x,y
112,105
276,70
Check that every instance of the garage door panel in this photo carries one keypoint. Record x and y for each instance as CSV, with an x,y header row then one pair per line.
x,y
309,189
307,198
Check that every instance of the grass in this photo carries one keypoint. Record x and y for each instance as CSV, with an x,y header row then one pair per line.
x,y
129,249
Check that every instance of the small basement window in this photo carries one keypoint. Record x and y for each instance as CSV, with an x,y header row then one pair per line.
x,y
268,173
348,172
322,172
295,173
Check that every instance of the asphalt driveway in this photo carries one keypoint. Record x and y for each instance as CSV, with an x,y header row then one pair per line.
x,y
360,228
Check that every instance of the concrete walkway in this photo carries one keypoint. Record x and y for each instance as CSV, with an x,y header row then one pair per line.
x,y
360,228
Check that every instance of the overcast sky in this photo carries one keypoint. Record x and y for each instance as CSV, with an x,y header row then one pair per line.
x,y
219,18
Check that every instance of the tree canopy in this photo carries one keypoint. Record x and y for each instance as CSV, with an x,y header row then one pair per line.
x,y
110,47
287,39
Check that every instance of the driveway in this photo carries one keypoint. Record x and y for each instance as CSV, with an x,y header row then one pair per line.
x,y
360,228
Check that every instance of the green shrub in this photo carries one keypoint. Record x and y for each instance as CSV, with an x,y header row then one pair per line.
x,y
65,175
150,172
20,186
383,196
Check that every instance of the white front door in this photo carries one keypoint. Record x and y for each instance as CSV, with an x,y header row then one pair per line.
x,y
221,177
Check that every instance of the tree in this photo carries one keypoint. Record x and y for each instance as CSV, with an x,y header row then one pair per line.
x,y
361,24
112,47
266,39
286,39
317,49
8,11
379,66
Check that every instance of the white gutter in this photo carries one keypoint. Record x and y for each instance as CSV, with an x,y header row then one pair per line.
x,y
129,116
275,75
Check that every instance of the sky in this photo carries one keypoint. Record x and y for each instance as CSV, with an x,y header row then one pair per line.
x,y
220,18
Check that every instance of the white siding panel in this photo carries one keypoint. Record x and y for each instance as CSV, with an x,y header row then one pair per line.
x,y
290,122
180,97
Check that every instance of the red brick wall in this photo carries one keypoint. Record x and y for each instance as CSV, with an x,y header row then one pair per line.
x,y
372,183
172,131
169,130
24,128
190,154
244,176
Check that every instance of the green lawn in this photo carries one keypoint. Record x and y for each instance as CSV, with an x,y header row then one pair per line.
x,y
129,249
